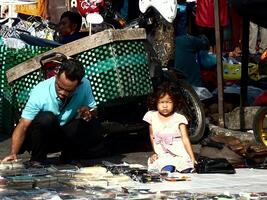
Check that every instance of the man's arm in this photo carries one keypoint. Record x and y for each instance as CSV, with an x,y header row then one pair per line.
x,y
18,138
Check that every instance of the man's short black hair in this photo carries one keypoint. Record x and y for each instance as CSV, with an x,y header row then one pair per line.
x,y
73,69
74,17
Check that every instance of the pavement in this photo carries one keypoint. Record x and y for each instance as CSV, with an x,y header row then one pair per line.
x,y
134,149
130,148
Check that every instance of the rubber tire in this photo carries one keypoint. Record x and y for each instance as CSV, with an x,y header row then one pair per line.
x,y
258,128
195,115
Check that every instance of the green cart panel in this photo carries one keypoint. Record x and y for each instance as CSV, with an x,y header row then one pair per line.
x,y
116,70
9,58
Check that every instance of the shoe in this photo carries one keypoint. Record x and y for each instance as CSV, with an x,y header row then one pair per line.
x,y
168,168
188,170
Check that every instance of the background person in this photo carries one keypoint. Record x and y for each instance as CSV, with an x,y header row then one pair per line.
x,y
168,132
59,116
205,19
187,48
69,27
256,33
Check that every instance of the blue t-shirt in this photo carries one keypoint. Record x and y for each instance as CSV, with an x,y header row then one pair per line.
x,y
43,97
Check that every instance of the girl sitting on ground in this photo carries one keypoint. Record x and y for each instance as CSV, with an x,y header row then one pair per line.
x,y
168,132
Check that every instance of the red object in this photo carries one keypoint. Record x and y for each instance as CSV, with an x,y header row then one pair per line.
x,y
209,78
89,6
205,13
261,100
50,69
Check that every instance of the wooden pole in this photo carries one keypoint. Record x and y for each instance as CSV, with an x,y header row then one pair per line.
x,y
67,4
244,70
219,64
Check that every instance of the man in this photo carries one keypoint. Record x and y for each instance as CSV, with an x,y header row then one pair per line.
x,y
60,115
69,27
68,31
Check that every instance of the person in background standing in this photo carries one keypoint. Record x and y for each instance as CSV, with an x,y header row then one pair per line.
x,y
205,19
255,31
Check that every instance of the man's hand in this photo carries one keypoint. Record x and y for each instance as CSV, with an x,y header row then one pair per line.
x,y
86,113
11,157
18,138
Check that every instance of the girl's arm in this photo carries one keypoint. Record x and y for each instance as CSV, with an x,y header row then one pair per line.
x,y
187,143
154,155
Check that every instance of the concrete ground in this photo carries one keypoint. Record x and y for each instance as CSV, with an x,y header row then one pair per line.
x,y
135,149
130,148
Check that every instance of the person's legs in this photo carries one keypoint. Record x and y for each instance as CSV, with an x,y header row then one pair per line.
x,y
253,36
263,37
42,136
80,137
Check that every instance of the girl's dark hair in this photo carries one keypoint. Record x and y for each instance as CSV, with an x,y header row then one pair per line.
x,y
165,88
73,69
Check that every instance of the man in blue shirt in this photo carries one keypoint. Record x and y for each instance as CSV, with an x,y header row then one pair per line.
x,y
60,115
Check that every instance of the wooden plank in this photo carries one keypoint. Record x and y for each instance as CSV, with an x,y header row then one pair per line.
x,y
73,48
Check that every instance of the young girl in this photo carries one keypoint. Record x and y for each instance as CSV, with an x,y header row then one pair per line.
x,y
168,132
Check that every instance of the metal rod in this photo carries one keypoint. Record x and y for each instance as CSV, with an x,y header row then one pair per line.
x,y
219,64
244,71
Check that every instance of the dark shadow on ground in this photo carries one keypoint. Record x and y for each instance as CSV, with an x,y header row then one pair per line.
x,y
120,144
117,148
4,137
129,142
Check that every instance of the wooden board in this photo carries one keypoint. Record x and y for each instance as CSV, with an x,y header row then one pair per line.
x,y
73,48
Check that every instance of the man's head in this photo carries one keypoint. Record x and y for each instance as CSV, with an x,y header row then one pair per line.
x,y
70,22
68,78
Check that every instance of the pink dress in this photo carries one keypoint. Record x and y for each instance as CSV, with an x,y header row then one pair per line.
x,y
167,142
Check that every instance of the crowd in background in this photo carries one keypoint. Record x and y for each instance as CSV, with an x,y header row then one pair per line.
x,y
193,36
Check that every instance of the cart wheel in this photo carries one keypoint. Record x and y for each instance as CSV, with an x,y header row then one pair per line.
x,y
260,126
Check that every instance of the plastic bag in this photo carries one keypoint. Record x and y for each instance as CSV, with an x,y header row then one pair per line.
x,y
208,165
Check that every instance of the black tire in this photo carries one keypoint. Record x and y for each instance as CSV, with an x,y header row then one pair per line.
x,y
194,112
260,126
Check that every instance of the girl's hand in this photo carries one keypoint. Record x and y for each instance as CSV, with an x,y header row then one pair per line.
x,y
153,158
195,163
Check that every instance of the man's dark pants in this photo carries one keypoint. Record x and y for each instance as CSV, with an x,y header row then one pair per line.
x,y
74,139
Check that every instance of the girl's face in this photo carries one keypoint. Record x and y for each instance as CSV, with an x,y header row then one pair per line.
x,y
165,105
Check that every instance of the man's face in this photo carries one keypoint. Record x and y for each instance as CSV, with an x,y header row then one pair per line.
x,y
64,86
66,27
